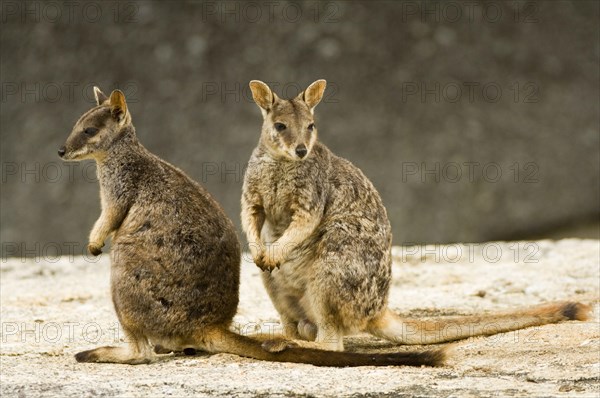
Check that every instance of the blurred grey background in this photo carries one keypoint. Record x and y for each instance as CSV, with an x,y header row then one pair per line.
x,y
476,121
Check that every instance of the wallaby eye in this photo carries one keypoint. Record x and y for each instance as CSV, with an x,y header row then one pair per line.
x,y
91,131
279,127
311,127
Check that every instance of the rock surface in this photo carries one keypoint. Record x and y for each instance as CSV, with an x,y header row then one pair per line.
x,y
55,307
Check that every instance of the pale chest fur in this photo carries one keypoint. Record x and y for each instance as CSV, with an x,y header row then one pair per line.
x,y
280,188
277,189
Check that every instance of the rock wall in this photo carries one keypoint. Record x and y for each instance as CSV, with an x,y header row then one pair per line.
x,y
475,121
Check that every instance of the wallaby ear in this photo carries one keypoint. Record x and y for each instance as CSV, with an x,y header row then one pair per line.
x,y
118,106
262,95
100,96
314,93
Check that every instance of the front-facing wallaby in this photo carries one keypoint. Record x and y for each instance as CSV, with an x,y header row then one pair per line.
x,y
319,226
175,257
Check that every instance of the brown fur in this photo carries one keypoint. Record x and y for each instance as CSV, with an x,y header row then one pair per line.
x,y
175,258
319,226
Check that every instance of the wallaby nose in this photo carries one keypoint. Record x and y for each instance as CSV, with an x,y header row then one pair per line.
x,y
62,151
301,151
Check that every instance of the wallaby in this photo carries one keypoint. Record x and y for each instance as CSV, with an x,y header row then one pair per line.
x,y
175,257
319,226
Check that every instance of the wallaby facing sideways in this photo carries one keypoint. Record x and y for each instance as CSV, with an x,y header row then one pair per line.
x,y
318,220
175,258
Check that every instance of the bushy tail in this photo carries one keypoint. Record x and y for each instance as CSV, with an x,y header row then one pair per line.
x,y
225,341
415,331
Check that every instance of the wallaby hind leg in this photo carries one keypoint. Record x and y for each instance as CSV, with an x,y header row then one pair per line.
x,y
414,331
287,305
137,351
327,324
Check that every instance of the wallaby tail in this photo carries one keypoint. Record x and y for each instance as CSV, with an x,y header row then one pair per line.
x,y
225,341
415,331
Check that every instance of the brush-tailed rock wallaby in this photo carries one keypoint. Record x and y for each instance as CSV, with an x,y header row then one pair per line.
x,y
175,257
319,226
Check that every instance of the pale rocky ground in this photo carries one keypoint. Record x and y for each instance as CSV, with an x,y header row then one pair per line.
x,y
53,308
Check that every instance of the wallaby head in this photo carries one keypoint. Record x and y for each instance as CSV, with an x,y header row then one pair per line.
x,y
98,128
289,128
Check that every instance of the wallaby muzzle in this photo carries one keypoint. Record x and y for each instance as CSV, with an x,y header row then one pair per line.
x,y
301,151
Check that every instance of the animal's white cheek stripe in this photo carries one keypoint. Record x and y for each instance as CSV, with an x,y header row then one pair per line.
x,y
80,152
313,139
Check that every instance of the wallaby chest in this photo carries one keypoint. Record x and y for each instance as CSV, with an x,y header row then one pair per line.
x,y
277,185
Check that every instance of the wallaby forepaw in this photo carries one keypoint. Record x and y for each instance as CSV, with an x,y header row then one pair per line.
x,y
278,345
262,263
94,249
270,265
